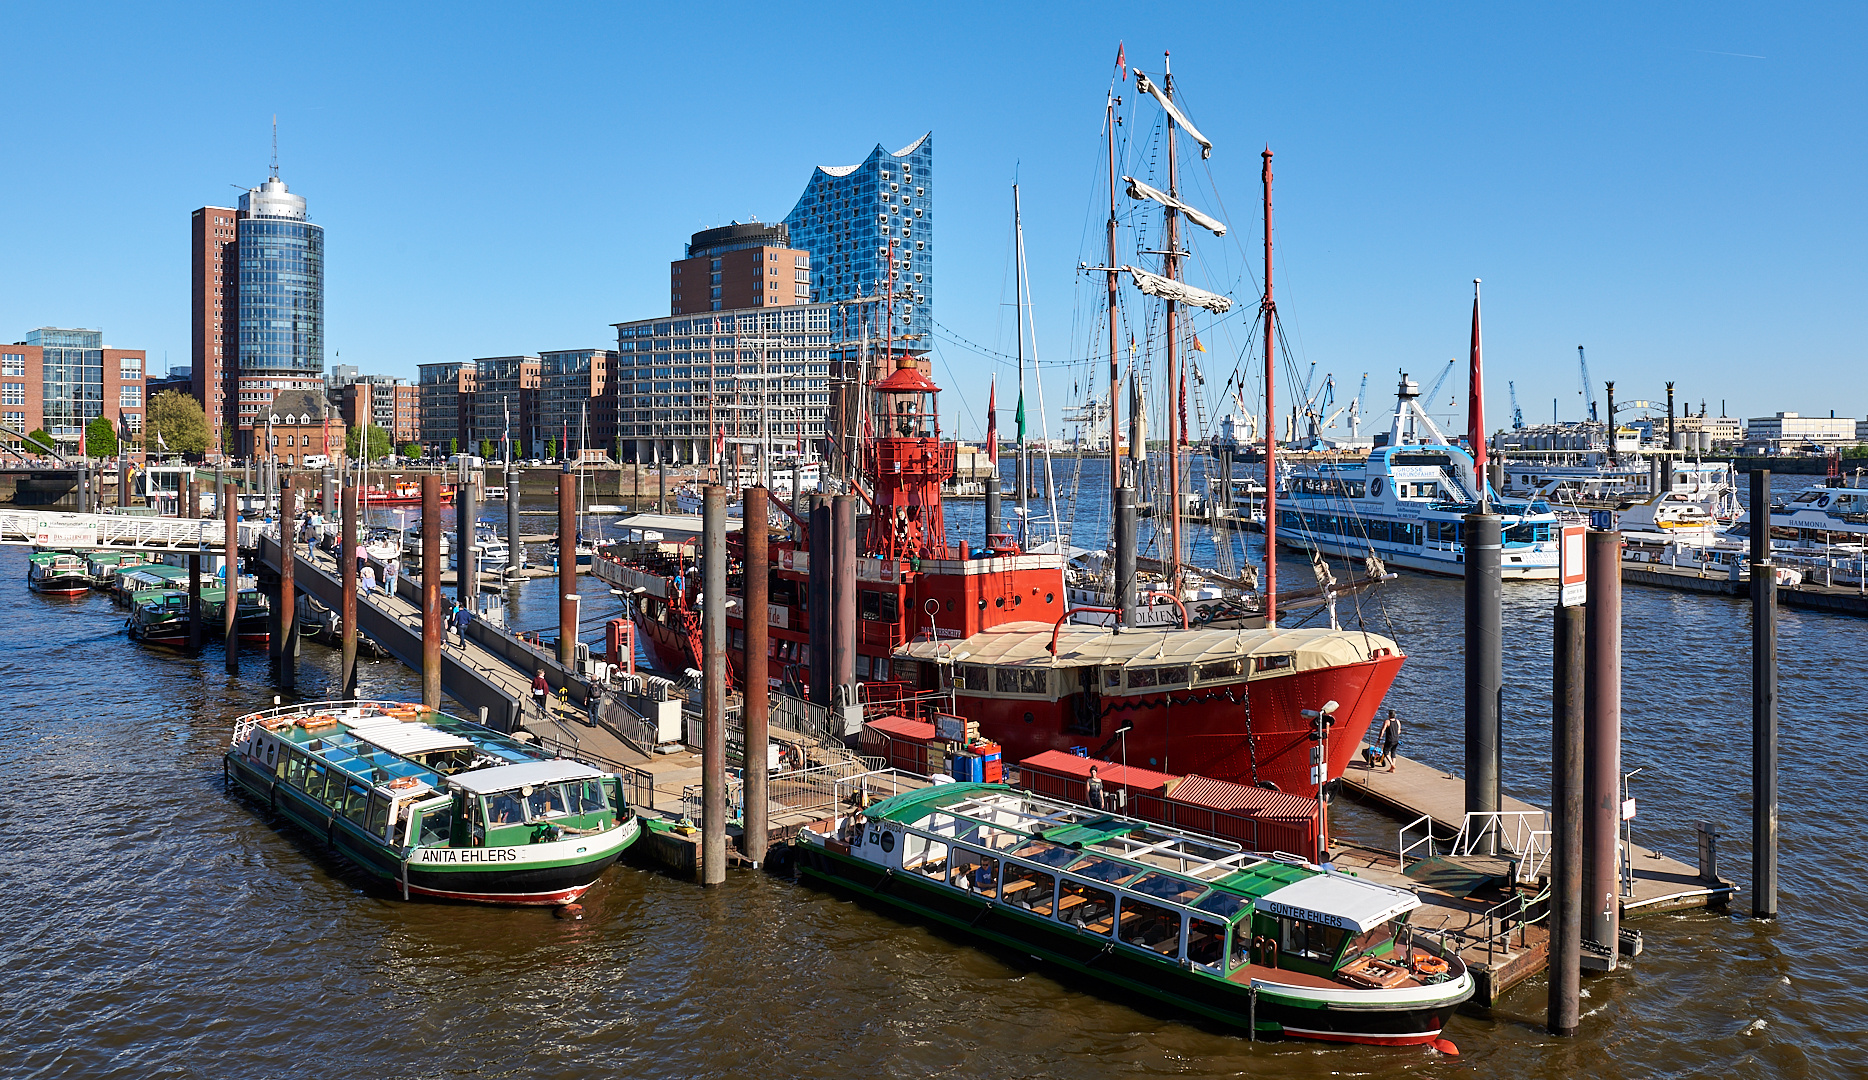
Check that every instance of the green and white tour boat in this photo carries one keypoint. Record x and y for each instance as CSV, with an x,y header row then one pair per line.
x,y
1269,943
438,806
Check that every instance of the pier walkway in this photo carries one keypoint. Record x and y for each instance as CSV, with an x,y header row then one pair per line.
x,y
1810,596
1492,906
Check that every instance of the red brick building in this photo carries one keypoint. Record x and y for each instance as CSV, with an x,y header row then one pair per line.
x,y
739,266
214,268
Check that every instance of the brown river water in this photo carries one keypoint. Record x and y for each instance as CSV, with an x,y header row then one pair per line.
x,y
159,927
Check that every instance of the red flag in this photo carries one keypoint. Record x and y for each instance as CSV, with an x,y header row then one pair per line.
x,y
1122,65
719,443
1475,400
992,419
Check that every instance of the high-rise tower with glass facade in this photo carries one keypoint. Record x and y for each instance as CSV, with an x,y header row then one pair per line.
x,y
280,299
870,231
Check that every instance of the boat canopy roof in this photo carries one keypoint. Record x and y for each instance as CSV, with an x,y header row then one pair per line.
x,y
1027,644
1339,900
1204,873
508,777
406,739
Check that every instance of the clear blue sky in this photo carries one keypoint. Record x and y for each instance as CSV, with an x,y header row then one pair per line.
x,y
1677,187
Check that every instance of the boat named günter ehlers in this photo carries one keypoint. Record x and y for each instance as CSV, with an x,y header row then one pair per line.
x,y
1270,943
437,806
1407,505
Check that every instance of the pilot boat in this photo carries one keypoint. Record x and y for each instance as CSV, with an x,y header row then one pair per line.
x,y
1267,943
434,805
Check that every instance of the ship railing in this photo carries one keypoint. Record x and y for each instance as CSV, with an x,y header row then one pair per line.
x,y
1521,835
638,784
802,792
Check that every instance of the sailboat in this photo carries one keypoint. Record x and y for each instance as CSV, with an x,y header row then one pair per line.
x,y
984,627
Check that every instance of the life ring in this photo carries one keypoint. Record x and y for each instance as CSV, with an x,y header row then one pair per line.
x,y
1432,965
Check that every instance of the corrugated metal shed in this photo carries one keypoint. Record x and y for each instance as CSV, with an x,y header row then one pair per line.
x,y
1224,795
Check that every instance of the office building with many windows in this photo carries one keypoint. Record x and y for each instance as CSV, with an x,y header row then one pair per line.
x,y
390,404
62,379
577,399
739,266
446,395
870,231
687,383
505,402
256,308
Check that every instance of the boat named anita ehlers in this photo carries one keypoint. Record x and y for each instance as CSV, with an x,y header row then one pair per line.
x,y
437,806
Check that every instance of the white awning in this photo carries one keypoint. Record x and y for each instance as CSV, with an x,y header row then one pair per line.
x,y
1338,900
1139,190
509,777
406,739
1147,86
1169,289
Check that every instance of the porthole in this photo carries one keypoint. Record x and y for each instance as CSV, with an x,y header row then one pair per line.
x,y
888,841
1029,718
1000,602
982,603
1050,598
950,605
1017,600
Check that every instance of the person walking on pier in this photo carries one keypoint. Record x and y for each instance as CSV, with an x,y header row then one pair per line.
x,y
1391,738
541,693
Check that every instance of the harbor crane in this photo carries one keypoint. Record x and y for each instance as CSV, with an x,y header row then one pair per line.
x,y
1588,397
1354,409
1517,414
1432,394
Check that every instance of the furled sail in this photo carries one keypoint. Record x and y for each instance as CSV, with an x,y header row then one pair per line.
x,y
1147,86
1139,190
1169,289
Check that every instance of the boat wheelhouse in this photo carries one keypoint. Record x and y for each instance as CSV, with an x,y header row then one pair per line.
x,y
1407,505
159,617
1264,942
438,806
57,573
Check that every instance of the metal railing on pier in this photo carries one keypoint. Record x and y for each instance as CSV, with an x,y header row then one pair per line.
x,y
1520,835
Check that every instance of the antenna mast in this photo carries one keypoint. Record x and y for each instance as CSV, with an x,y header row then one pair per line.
x,y
1270,314
275,147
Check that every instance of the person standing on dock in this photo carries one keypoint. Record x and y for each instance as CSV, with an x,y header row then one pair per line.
x,y
1391,738
1095,788
541,693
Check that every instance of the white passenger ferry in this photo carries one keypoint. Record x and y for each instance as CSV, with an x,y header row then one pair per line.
x,y
1407,504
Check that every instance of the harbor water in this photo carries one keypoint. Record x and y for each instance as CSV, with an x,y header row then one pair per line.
x,y
161,927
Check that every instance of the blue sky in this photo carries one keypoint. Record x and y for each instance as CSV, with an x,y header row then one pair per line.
x,y
1678,187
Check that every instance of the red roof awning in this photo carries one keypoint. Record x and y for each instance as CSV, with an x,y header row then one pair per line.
x,y
900,727
1059,763
1211,794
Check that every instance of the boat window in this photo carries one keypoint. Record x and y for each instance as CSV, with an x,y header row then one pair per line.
x,y
974,677
1112,677
1206,942
1240,954
1143,677
436,826
1103,870
356,803
1029,888
1224,904
1172,676
315,781
1373,942
506,808
975,872
1222,670
589,797
1149,926
924,856
1015,680
1273,663
295,767
1168,887
547,801
1312,941
378,823
1084,905
880,606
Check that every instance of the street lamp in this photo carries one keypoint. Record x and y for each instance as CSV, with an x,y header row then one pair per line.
x,y
1320,766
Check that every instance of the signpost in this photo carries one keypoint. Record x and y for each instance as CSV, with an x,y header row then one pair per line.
x,y
1573,591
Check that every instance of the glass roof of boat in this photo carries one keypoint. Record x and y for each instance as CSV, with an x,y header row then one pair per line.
x,y
1211,874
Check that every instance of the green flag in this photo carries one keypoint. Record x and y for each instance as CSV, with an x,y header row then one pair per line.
x,y
1021,418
